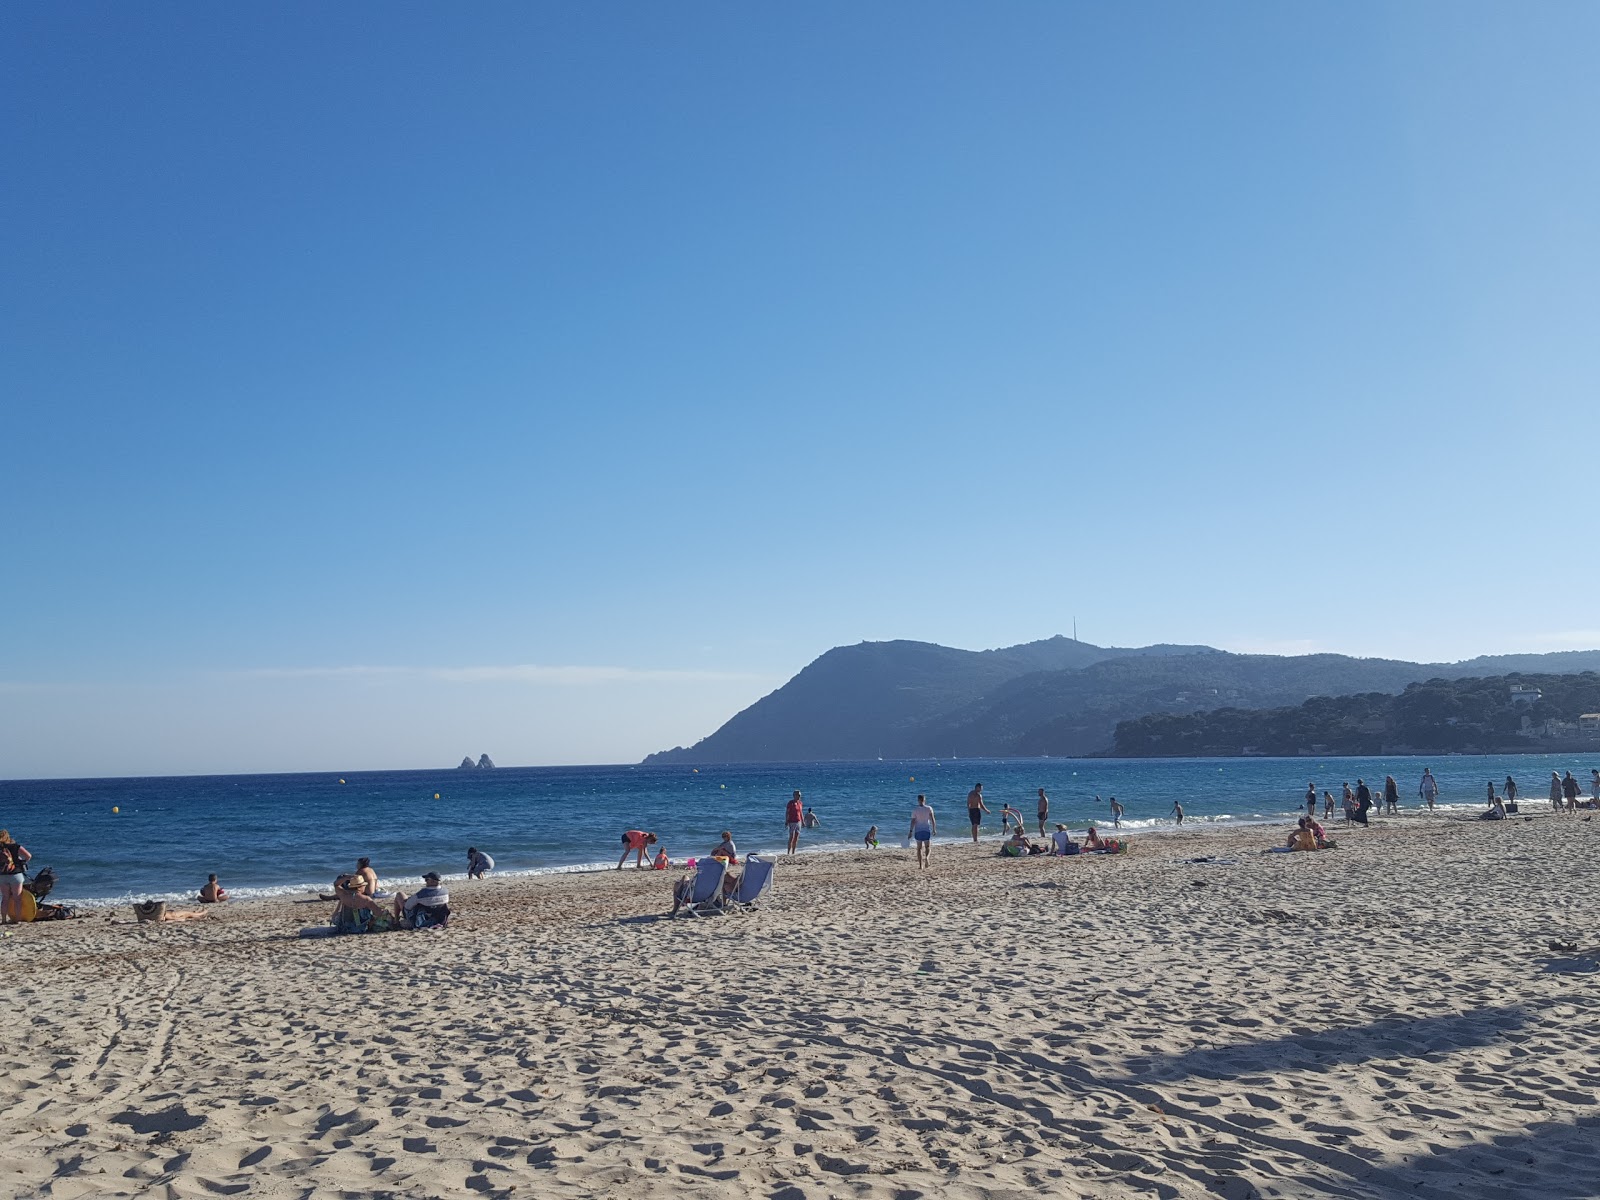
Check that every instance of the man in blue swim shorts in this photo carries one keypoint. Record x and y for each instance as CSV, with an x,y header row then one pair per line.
x,y
923,826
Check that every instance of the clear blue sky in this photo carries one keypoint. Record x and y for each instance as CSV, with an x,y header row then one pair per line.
x,y
388,382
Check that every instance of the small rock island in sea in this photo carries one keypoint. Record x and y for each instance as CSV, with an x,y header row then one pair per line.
x,y
484,762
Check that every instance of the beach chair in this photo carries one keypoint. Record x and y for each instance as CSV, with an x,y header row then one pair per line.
x,y
705,897
754,885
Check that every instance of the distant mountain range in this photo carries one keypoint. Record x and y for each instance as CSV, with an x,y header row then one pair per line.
x,y
1057,697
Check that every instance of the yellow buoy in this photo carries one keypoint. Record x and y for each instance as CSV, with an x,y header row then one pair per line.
x,y
115,809
913,779
341,781
724,787
696,770
436,795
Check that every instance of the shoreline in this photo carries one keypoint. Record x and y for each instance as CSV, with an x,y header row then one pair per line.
x,y
1140,828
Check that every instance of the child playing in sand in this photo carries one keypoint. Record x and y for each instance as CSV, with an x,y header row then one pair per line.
x,y
1007,815
871,839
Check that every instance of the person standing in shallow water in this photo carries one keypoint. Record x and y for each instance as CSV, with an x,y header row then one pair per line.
x,y
976,808
1044,811
1391,795
1427,789
1177,811
1511,791
1311,800
1116,814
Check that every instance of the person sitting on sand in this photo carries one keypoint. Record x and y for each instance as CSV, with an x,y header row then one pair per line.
x,y
428,907
356,912
479,864
1497,811
368,877
1318,832
1062,842
635,841
871,840
1302,838
1093,841
213,892
726,849
1017,845
662,861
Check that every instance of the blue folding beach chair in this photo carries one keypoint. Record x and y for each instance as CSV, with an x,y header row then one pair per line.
x,y
754,885
705,897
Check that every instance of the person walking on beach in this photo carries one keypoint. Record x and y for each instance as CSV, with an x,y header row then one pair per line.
x,y
1391,795
1511,791
479,864
13,874
1555,791
793,813
635,842
923,826
976,808
1044,811
1570,789
1363,802
1491,793
1427,789
1311,800
1177,810
1594,784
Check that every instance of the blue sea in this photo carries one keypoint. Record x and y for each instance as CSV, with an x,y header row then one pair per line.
x,y
113,840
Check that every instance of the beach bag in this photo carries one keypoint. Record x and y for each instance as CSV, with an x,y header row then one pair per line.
x,y
150,910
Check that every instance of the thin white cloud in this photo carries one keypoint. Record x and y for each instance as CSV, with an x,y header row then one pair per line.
x,y
568,676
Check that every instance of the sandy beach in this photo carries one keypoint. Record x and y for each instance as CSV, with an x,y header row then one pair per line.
x,y
1386,1019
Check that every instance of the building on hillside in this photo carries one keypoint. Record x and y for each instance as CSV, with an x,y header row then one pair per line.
x,y
1589,725
1522,693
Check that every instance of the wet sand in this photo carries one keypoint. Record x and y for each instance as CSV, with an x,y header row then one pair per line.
x,y
1386,1019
